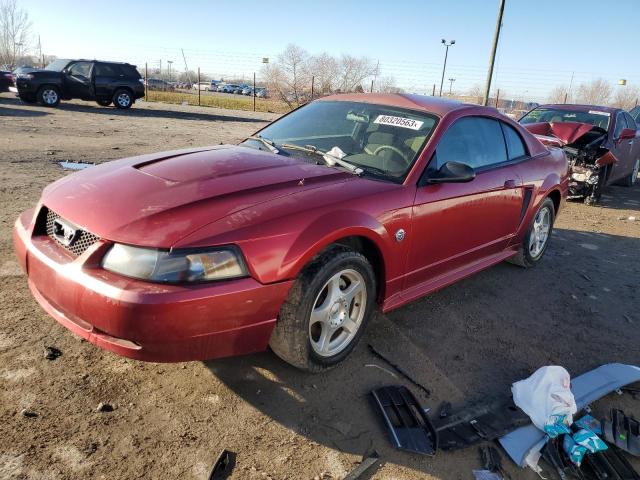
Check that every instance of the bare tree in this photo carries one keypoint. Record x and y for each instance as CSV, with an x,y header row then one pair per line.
x,y
626,97
353,70
15,31
559,94
596,92
388,85
326,71
289,76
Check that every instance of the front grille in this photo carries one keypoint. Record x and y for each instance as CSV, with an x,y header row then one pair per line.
x,y
79,245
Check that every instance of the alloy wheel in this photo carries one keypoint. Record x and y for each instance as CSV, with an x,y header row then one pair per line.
x,y
540,232
124,99
50,96
337,313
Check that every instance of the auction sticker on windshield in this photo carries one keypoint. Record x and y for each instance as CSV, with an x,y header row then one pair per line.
x,y
399,122
598,112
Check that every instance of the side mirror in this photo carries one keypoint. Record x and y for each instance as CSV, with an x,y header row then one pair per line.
x,y
452,172
627,133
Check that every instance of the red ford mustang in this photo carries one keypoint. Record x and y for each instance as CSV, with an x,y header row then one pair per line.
x,y
292,238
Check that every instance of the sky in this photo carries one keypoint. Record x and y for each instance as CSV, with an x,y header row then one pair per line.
x,y
543,44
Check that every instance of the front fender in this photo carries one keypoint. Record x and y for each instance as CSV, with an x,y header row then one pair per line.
x,y
329,228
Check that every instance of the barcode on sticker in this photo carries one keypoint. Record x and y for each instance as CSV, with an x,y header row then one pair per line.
x,y
399,122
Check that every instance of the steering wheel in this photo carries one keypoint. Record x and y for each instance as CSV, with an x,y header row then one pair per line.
x,y
392,148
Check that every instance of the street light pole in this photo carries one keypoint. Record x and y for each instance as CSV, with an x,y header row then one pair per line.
x,y
451,80
169,68
446,53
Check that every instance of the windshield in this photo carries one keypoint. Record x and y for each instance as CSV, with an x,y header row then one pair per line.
x,y
57,65
377,138
594,117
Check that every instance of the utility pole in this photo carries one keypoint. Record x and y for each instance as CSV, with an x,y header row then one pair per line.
x,y
494,48
186,69
570,87
444,66
451,80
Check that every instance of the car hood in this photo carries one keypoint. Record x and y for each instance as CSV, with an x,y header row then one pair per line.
x,y
155,200
559,133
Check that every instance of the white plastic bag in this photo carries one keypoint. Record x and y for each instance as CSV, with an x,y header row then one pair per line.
x,y
546,396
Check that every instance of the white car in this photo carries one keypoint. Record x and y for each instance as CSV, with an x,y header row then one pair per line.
x,y
206,86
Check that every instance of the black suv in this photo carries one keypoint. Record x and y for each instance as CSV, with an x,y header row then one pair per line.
x,y
104,82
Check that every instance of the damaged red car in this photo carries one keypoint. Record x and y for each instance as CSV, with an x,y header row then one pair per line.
x,y
292,238
601,144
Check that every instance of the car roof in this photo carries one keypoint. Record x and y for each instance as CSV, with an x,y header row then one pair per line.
x,y
579,108
435,105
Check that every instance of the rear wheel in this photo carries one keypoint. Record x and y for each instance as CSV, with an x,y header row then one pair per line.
x,y
103,102
48,96
122,99
537,238
631,180
326,311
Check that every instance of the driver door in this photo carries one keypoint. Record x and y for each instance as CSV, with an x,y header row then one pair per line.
x,y
77,80
457,226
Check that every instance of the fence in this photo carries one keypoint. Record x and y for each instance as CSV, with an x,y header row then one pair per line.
x,y
194,92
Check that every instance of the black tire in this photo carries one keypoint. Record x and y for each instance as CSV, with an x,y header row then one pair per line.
x,y
524,257
103,102
291,338
122,99
631,180
48,96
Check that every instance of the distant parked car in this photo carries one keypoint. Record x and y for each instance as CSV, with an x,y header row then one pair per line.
x,y
230,88
247,91
203,86
158,84
261,92
103,82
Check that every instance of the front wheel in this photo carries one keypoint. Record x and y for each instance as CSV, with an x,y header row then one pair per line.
x,y
122,99
326,311
537,238
48,96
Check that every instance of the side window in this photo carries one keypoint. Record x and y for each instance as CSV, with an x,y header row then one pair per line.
x,y
631,123
106,70
515,146
475,141
81,69
620,125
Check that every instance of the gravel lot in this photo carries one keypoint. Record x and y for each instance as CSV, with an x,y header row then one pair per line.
x,y
468,342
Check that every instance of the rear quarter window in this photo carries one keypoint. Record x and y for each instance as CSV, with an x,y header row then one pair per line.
x,y
515,145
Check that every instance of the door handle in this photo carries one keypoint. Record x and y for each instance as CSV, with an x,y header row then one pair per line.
x,y
510,184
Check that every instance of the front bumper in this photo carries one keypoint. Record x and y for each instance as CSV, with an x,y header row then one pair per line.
x,y
141,320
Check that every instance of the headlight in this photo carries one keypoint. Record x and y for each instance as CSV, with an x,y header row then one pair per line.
x,y
26,75
175,266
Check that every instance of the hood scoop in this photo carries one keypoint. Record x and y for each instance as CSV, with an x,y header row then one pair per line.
x,y
209,164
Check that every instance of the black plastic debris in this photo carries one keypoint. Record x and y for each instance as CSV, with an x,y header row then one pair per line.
x,y
485,422
368,462
409,426
623,432
608,465
223,466
444,410
29,413
491,460
51,353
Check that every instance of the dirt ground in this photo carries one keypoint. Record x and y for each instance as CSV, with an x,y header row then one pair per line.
x,y
579,308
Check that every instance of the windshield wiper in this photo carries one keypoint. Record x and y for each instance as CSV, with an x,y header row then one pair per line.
x,y
328,158
270,144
